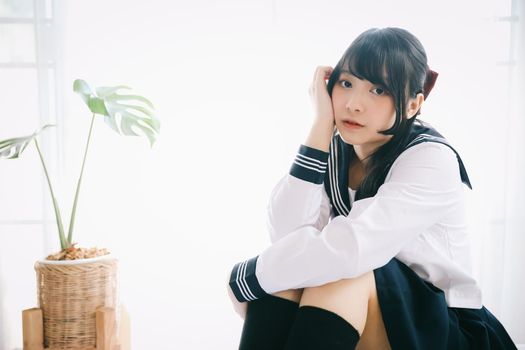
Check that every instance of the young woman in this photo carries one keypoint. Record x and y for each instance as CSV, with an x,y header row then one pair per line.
x,y
370,247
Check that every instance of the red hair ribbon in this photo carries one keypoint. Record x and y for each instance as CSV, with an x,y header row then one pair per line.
x,y
429,82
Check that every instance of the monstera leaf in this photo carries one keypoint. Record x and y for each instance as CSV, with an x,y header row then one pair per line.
x,y
13,148
126,114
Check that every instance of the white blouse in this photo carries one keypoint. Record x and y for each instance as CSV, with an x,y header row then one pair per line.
x,y
417,216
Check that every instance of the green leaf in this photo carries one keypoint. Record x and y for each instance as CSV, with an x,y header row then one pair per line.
x,y
82,88
131,97
12,148
127,114
105,91
112,123
97,106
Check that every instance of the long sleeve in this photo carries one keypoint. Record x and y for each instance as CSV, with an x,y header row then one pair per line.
x,y
422,186
299,198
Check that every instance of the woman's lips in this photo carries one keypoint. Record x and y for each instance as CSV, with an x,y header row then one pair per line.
x,y
352,125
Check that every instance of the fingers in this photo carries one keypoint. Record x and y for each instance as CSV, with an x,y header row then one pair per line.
x,y
319,94
323,72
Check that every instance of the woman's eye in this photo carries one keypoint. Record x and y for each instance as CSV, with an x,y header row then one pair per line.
x,y
379,91
345,83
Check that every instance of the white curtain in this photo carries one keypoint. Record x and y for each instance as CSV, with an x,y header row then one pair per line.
x,y
497,207
511,282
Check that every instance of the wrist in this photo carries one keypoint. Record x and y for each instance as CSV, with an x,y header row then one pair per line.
x,y
320,135
310,164
244,282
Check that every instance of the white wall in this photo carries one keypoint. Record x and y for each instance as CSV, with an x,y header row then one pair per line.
x,y
229,80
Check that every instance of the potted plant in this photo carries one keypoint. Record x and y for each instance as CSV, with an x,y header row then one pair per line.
x,y
73,282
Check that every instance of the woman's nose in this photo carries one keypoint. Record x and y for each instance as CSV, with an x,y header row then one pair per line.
x,y
354,103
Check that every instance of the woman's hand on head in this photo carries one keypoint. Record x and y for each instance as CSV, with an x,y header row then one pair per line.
x,y
321,101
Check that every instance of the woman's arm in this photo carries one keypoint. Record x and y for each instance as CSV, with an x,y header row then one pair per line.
x,y
299,199
322,129
423,187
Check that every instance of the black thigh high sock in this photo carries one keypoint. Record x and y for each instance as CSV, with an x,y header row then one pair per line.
x,y
267,323
321,329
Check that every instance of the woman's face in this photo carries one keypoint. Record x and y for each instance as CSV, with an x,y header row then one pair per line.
x,y
367,104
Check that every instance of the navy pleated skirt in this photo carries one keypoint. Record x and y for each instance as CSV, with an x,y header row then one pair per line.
x,y
416,315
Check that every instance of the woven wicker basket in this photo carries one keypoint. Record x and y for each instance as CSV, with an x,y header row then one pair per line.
x,y
69,292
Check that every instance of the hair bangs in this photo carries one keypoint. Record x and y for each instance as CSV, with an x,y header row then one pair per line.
x,y
366,61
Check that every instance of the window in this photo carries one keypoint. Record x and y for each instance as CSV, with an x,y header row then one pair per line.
x,y
28,99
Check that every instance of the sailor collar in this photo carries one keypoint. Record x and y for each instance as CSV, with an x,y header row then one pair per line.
x,y
336,178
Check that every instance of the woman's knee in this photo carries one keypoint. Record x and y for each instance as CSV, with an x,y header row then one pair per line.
x,y
347,297
339,291
291,294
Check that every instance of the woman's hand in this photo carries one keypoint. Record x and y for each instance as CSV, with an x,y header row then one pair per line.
x,y
321,101
323,127
240,308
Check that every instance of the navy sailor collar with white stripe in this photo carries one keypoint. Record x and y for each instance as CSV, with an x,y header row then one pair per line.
x,y
336,178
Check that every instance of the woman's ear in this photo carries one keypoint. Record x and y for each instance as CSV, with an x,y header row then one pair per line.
x,y
414,105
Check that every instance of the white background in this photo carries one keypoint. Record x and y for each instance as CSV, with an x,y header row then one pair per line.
x,y
230,80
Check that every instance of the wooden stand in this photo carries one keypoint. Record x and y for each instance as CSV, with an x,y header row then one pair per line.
x,y
33,330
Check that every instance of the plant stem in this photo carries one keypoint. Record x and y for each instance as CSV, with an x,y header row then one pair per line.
x,y
74,210
58,217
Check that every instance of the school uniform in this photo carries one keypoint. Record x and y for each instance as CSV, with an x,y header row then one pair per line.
x,y
412,234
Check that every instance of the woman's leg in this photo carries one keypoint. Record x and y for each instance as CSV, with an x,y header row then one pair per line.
x,y
374,335
292,294
268,320
344,312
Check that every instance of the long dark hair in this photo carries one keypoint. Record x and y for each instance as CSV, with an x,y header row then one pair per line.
x,y
395,59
